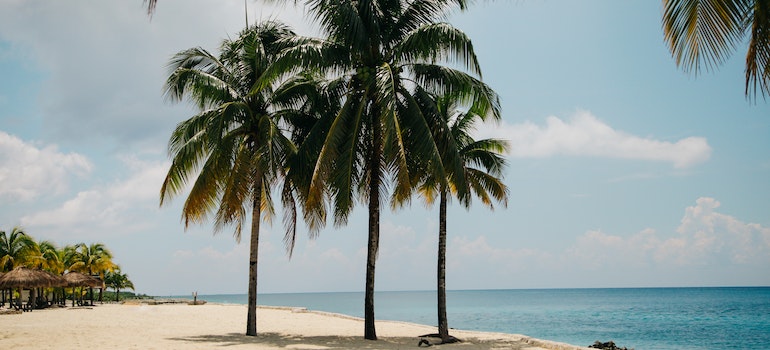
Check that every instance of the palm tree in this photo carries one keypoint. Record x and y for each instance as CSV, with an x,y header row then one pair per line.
x,y
482,165
117,281
706,32
46,256
93,259
383,49
50,257
234,145
16,248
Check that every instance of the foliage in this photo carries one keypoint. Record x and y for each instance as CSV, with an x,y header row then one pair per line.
x,y
16,249
20,249
481,164
362,130
706,32
234,145
384,52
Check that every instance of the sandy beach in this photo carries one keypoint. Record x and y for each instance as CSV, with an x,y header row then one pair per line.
x,y
181,326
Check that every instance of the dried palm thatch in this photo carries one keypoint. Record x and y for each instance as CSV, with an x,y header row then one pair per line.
x,y
23,277
77,279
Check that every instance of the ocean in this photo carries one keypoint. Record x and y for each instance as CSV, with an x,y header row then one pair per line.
x,y
639,318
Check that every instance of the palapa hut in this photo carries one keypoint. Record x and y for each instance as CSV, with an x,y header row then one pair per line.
x,y
77,279
26,278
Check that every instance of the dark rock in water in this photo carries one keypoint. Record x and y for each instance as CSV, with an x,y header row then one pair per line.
x,y
610,345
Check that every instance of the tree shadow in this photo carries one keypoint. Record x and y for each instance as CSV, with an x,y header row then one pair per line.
x,y
288,341
297,342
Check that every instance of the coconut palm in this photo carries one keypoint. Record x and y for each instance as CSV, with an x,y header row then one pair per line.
x,y
706,32
383,49
46,256
117,281
234,145
482,165
93,259
16,248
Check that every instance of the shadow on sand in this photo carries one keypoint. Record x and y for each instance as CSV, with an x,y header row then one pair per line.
x,y
287,341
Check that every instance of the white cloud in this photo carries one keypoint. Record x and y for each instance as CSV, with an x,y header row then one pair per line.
x,y
704,238
713,234
215,269
103,64
585,135
28,171
121,207
731,250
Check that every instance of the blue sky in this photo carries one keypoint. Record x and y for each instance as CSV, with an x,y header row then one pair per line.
x,y
624,171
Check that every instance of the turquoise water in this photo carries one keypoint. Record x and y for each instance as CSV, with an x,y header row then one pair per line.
x,y
640,318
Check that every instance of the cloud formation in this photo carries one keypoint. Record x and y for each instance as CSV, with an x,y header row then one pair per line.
x,y
103,64
121,207
585,135
28,171
705,239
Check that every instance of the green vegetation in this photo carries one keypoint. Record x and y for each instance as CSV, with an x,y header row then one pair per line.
x,y
17,248
235,141
481,166
117,280
706,32
352,116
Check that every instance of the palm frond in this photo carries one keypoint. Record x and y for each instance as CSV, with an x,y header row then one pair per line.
x,y
758,55
439,42
703,32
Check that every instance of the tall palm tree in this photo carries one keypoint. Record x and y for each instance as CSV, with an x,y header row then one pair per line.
x,y
706,32
117,281
383,49
235,144
482,165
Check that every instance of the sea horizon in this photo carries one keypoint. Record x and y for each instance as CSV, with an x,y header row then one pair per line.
x,y
458,290
663,318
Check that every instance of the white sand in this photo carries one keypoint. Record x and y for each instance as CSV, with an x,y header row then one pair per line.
x,y
181,326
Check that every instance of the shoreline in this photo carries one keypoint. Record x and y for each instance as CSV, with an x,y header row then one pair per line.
x,y
182,326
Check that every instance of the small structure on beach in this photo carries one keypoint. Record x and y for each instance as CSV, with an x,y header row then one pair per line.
x,y
26,278
77,279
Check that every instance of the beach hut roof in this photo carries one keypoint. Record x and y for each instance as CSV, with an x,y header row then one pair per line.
x,y
77,279
25,277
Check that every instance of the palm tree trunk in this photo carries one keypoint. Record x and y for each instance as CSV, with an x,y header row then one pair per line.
x,y
251,320
370,332
101,291
443,327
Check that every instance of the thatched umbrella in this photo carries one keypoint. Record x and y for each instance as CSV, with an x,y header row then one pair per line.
x,y
23,277
77,279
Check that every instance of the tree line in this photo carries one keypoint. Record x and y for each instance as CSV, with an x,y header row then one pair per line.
x,y
17,248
